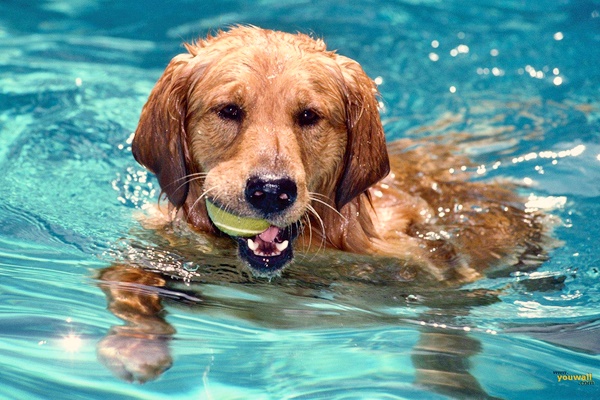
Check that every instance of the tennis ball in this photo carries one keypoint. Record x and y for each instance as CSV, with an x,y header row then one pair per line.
x,y
234,225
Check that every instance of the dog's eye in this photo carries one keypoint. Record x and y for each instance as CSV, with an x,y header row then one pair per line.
x,y
231,112
308,117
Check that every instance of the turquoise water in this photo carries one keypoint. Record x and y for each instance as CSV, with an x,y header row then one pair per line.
x,y
515,83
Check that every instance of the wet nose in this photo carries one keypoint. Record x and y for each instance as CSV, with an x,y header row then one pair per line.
x,y
270,196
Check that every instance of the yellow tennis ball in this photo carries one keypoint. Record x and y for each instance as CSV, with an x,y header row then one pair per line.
x,y
235,225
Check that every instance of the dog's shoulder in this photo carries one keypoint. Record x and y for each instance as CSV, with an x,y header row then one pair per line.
x,y
430,210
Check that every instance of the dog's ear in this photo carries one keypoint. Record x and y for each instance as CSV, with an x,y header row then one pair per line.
x,y
366,160
160,142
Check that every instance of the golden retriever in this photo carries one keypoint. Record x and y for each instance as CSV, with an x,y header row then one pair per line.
x,y
272,125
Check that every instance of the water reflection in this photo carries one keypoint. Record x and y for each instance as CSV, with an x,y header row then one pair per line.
x,y
319,292
139,350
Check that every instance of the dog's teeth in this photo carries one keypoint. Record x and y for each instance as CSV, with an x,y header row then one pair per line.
x,y
253,246
283,245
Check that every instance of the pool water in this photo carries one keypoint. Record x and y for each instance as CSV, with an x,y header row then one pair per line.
x,y
515,84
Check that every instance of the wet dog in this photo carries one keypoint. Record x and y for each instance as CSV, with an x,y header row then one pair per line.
x,y
272,126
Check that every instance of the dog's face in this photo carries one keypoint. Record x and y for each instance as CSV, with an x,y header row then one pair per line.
x,y
262,124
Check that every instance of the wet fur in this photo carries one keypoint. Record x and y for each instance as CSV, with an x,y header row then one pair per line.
x,y
355,194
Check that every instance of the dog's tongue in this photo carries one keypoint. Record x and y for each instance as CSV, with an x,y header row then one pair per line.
x,y
269,234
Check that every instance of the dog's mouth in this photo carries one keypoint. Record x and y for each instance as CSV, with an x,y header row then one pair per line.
x,y
268,252
265,248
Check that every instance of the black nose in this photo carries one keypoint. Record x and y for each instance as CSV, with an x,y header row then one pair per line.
x,y
270,196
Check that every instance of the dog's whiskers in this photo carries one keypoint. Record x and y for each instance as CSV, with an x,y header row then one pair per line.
x,y
312,211
303,224
189,178
313,197
184,181
204,193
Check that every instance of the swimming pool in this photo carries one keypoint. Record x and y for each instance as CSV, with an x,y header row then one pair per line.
x,y
517,83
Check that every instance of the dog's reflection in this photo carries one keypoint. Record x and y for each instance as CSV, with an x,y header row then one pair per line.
x,y
442,364
139,349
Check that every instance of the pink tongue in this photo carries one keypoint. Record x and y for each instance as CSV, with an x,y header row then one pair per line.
x,y
270,234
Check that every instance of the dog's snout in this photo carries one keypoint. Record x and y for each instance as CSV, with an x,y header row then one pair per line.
x,y
270,196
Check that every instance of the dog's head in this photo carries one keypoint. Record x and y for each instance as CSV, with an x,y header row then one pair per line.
x,y
262,124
